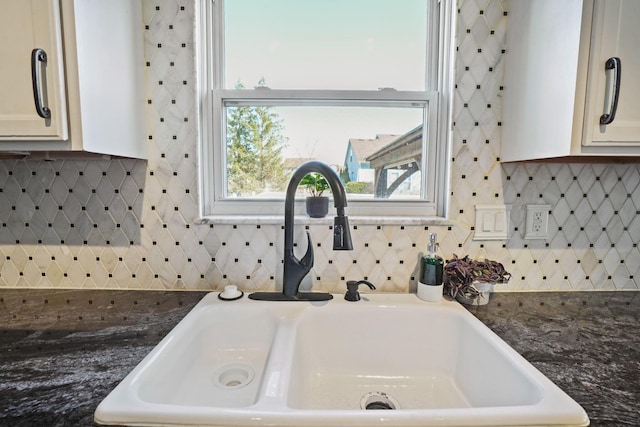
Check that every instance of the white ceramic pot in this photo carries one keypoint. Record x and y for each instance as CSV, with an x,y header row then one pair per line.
x,y
484,294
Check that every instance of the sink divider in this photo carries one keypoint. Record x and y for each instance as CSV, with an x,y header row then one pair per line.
x,y
277,370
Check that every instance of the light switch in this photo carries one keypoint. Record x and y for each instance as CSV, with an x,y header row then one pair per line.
x,y
492,222
488,221
500,223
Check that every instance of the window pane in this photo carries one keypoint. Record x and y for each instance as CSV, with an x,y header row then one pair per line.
x,y
377,151
326,44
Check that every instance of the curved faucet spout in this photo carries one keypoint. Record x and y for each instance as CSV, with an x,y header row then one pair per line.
x,y
294,269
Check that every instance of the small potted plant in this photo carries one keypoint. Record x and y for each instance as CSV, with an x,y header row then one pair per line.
x,y
471,281
317,204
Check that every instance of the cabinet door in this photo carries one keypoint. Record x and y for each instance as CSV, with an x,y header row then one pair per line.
x,y
24,26
616,33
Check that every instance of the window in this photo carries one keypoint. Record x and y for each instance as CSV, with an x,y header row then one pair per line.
x,y
361,85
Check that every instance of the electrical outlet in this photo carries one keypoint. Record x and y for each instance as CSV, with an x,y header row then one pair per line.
x,y
537,226
540,220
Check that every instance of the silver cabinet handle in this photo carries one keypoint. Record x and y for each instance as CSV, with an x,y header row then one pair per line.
x,y
38,56
614,64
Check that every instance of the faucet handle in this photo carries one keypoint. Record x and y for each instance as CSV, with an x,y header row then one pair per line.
x,y
307,259
352,289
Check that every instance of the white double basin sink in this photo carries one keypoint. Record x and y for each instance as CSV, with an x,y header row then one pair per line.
x,y
387,360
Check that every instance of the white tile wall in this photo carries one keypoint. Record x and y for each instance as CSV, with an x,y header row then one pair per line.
x,y
129,224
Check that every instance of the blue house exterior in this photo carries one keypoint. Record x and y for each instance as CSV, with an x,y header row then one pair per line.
x,y
355,160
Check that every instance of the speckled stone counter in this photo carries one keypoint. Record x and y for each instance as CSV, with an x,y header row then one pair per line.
x,y
62,352
587,343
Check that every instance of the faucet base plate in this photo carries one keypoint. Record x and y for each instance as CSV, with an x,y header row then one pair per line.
x,y
300,296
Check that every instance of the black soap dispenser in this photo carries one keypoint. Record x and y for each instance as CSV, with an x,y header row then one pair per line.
x,y
432,265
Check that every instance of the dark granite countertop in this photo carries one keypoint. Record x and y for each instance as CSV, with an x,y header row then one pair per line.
x,y
63,351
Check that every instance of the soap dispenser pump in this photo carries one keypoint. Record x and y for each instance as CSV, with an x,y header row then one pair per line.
x,y
430,285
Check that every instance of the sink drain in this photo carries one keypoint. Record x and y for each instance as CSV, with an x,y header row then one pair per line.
x,y
233,376
378,400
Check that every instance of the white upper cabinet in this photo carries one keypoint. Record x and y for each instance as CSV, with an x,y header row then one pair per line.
x,y
572,79
31,50
71,77
615,46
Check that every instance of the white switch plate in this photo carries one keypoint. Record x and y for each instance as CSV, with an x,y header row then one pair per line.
x,y
537,226
492,222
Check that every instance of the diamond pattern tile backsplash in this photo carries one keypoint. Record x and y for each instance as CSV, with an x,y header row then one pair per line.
x,y
130,224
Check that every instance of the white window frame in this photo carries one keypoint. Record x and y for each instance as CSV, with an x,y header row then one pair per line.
x,y
213,98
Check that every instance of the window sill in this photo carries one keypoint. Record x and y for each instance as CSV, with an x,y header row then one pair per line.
x,y
303,219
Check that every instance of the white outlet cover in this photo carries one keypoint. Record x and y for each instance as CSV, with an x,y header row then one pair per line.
x,y
537,225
